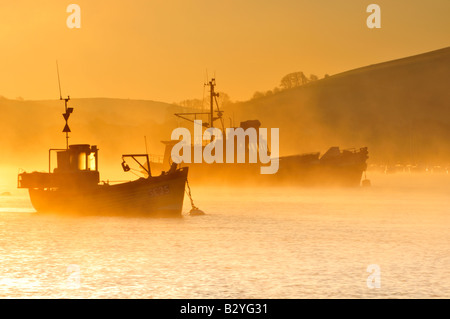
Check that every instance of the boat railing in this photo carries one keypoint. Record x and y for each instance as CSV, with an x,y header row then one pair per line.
x,y
354,150
108,182
154,158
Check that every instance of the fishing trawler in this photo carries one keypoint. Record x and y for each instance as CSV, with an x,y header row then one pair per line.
x,y
74,187
335,167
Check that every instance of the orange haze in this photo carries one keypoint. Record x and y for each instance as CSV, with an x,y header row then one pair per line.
x,y
160,50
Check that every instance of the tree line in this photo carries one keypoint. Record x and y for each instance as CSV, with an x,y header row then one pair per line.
x,y
289,81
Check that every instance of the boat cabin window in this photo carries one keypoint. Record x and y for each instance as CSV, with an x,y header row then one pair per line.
x,y
78,158
87,161
92,162
82,161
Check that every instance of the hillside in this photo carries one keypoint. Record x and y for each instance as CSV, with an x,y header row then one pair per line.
x,y
399,109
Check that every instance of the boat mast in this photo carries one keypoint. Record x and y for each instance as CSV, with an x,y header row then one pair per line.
x,y
213,95
66,115
68,110
210,114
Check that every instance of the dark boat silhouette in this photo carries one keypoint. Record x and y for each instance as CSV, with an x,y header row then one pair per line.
x,y
335,167
74,186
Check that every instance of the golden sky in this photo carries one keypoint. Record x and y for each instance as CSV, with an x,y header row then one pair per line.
x,y
160,49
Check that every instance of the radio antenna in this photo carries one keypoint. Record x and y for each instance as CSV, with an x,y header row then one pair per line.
x,y
59,81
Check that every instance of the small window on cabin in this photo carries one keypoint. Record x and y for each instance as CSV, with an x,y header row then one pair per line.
x,y
82,161
91,162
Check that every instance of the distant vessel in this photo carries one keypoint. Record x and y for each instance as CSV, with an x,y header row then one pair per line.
x,y
74,185
335,167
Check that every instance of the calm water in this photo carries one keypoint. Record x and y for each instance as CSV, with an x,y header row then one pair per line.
x,y
254,243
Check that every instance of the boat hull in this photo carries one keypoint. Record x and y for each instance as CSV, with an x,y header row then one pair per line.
x,y
334,169
160,196
306,175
